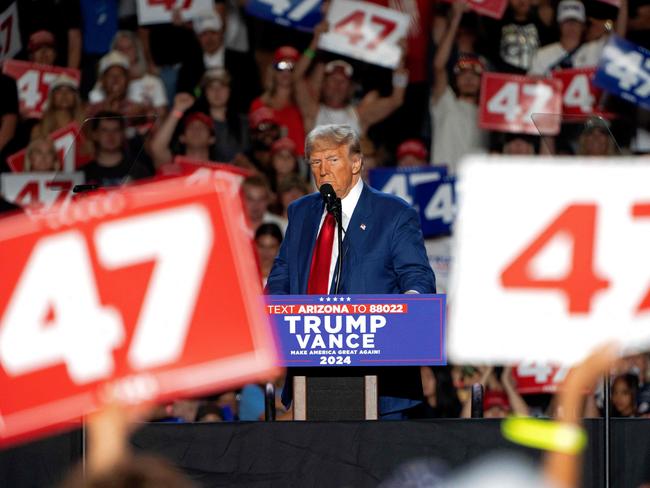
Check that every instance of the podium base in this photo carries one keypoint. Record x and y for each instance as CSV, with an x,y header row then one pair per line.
x,y
335,398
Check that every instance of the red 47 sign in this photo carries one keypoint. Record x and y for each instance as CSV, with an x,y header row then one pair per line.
x,y
365,31
35,191
67,140
489,8
579,95
511,103
565,266
538,377
145,293
34,82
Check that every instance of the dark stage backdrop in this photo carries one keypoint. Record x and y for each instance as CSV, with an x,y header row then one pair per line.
x,y
324,454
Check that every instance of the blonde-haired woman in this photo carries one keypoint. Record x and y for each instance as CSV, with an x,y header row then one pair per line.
x,y
63,107
41,155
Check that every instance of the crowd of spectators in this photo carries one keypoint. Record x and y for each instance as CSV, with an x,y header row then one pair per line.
x,y
230,88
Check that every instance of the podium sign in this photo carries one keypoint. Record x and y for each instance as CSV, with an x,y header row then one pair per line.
x,y
359,330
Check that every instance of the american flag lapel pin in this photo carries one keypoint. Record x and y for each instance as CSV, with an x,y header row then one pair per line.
x,y
363,226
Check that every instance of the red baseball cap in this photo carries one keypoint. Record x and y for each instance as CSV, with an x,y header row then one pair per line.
x,y
286,53
413,147
494,398
261,115
39,39
282,144
201,117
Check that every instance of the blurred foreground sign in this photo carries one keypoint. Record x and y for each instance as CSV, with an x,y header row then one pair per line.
x,y
564,268
143,294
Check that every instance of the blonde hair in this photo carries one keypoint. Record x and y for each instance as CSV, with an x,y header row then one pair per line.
x,y
27,167
140,65
49,123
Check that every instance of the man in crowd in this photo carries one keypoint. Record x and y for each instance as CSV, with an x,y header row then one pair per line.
x,y
383,246
412,153
571,51
455,113
257,198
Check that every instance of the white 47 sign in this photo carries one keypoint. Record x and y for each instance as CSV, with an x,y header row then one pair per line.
x,y
365,31
58,283
565,266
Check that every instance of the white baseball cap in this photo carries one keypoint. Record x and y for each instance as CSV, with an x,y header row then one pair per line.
x,y
208,22
571,10
114,58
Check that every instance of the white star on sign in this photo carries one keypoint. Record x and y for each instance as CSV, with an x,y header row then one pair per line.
x,y
321,299
328,299
349,299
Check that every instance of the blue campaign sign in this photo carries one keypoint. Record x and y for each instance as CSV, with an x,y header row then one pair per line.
x,y
297,14
359,330
428,189
624,70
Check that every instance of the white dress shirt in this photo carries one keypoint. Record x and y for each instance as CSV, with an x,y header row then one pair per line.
x,y
348,204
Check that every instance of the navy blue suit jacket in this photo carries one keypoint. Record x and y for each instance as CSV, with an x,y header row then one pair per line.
x,y
383,253
383,249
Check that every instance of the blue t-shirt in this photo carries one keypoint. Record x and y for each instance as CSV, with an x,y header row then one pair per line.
x,y
99,25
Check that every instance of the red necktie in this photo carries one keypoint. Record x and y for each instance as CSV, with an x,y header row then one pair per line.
x,y
319,273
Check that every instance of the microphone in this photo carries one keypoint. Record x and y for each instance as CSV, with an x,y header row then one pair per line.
x,y
329,197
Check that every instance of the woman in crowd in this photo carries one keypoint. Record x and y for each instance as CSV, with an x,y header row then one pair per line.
x,y
291,188
625,390
64,106
41,155
268,238
440,397
143,88
284,161
230,128
280,95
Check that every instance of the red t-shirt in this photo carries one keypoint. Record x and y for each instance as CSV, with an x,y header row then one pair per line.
x,y
421,13
290,118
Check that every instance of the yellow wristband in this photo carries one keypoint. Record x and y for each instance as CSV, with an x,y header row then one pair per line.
x,y
545,434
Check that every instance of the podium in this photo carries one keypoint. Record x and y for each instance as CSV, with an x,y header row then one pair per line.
x,y
334,344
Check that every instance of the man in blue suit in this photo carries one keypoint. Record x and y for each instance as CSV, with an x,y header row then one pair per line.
x,y
383,249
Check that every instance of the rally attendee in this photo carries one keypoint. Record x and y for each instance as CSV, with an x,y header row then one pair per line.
x,y
113,92
326,98
214,54
376,224
625,390
455,111
230,127
62,18
144,88
290,189
268,238
596,139
63,107
264,131
113,163
519,144
412,153
440,398
257,200
512,41
284,161
196,138
501,396
42,48
571,51
279,95
41,155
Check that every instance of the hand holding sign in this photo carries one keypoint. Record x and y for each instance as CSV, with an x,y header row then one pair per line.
x,y
299,14
365,31
165,11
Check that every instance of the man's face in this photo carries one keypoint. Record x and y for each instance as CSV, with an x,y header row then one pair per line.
x,y
109,136
211,41
520,7
197,135
411,161
596,143
334,165
336,89
44,55
518,147
115,81
468,83
571,30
